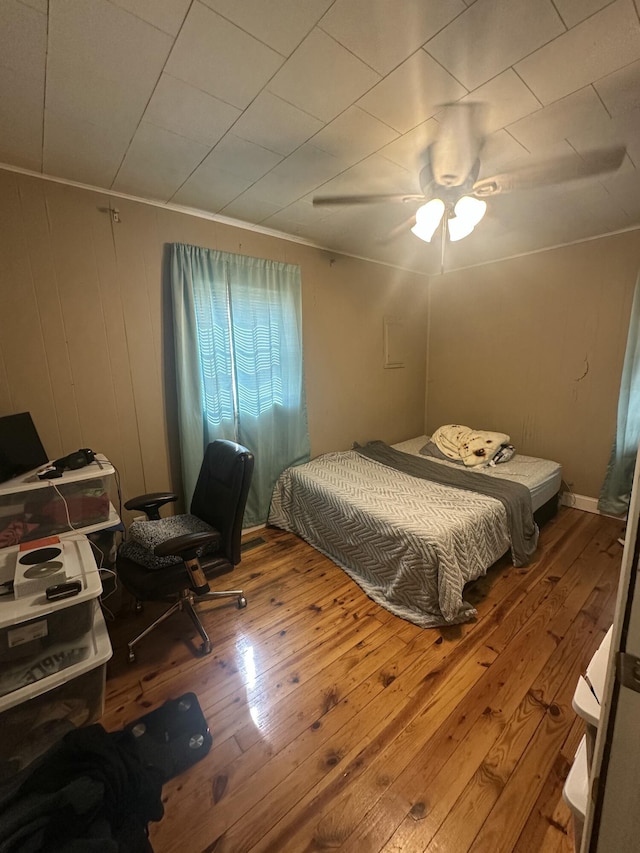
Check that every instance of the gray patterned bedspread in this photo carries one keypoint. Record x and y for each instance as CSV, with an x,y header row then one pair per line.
x,y
411,544
516,498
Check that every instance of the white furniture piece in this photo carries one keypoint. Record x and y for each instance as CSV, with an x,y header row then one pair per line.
x,y
53,656
77,501
53,653
587,701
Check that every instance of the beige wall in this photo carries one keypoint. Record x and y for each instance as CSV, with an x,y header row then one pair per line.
x,y
534,347
82,337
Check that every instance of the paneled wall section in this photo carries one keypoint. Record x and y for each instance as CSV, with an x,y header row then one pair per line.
x,y
534,347
85,344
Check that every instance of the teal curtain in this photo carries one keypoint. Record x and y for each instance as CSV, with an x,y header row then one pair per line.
x,y
616,489
238,341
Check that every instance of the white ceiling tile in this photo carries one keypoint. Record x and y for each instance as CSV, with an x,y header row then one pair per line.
x,y
603,43
81,151
374,175
574,11
409,149
256,196
275,124
167,15
210,189
296,214
353,135
570,115
624,188
21,111
115,45
626,130
411,93
620,91
188,111
242,158
383,33
93,98
505,98
322,78
301,172
103,63
491,35
249,209
106,72
23,39
214,55
158,162
282,24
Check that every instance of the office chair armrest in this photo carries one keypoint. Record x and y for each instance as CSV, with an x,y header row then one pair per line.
x,y
151,503
185,546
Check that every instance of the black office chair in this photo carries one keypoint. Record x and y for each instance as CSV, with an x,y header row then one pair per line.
x,y
163,557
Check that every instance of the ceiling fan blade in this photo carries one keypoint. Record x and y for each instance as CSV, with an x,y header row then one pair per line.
x,y
366,199
554,171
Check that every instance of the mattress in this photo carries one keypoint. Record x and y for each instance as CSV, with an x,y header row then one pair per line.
x,y
541,476
410,543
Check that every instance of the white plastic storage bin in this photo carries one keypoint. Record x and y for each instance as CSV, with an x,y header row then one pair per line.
x,y
31,508
576,791
31,624
34,717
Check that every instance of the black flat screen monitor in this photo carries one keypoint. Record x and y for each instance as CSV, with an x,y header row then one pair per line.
x,y
20,447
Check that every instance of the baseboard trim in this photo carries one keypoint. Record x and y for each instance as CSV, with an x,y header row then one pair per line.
x,y
584,503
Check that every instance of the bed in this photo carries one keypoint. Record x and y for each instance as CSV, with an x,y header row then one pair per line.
x,y
410,543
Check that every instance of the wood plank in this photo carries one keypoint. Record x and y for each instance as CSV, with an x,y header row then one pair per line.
x,y
337,725
479,719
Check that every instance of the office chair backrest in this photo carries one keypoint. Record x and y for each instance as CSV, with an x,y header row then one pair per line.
x,y
220,496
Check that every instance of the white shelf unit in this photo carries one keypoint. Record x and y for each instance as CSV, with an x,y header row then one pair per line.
x,y
587,700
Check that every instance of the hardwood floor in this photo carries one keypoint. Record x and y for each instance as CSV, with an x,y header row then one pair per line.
x,y
338,726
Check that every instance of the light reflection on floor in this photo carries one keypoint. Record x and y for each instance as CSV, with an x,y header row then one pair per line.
x,y
248,670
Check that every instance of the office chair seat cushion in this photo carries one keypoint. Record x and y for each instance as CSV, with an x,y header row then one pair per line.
x,y
148,585
145,536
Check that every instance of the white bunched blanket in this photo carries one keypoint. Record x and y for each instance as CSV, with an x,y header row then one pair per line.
x,y
471,446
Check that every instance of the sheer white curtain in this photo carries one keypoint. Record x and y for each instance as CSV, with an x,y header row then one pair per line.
x,y
238,339
616,489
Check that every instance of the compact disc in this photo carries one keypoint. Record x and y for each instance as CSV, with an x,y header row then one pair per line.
x,y
43,570
40,555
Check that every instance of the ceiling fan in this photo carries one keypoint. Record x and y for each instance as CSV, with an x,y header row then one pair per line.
x,y
451,192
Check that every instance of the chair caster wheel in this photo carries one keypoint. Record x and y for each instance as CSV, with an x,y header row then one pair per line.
x,y
132,656
139,607
242,602
205,648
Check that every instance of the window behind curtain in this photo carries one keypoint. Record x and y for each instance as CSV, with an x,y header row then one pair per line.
x,y
238,326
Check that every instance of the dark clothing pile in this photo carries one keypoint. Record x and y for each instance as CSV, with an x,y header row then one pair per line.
x,y
90,792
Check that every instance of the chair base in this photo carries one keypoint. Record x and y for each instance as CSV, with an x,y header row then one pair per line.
x,y
185,602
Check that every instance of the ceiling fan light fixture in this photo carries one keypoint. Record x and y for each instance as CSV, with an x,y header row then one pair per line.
x,y
468,212
428,218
